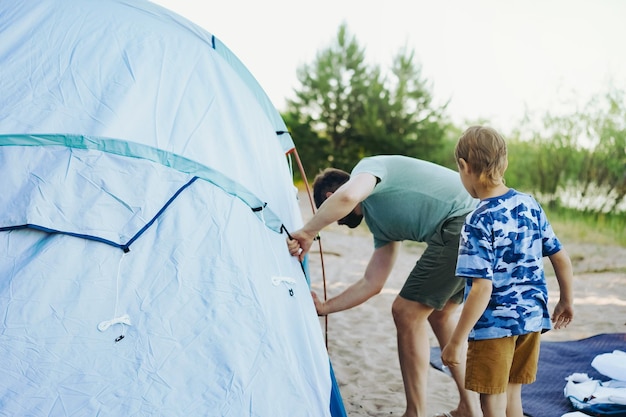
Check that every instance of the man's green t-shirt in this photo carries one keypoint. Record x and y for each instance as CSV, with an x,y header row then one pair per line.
x,y
412,198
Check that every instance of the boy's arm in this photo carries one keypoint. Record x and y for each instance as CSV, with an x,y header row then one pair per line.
x,y
474,306
564,309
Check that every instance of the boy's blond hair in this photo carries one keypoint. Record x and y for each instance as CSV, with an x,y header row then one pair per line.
x,y
484,150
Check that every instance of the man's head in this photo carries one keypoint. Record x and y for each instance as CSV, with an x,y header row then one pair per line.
x,y
326,183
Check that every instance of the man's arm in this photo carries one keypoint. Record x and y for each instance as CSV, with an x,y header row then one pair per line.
x,y
374,278
336,207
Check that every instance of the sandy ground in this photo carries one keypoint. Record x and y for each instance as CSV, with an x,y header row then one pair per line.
x,y
362,341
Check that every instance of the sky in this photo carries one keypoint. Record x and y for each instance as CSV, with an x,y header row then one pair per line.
x,y
491,59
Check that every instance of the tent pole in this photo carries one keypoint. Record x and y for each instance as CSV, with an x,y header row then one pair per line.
x,y
294,151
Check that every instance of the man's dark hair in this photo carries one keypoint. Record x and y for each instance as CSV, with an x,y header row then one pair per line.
x,y
328,181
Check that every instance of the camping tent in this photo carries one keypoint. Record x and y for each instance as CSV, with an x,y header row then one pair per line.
x,y
145,196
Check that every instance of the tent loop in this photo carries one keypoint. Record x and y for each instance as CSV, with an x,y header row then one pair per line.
x,y
284,280
104,325
123,319
260,208
283,228
276,280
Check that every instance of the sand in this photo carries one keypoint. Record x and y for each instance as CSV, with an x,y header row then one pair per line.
x,y
362,341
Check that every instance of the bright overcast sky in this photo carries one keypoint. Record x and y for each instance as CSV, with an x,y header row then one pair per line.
x,y
492,58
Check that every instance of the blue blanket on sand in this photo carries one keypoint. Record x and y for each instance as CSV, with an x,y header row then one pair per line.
x,y
558,360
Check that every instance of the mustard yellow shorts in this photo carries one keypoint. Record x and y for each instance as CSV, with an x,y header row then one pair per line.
x,y
494,363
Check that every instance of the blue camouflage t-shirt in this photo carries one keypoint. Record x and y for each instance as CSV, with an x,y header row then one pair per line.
x,y
504,240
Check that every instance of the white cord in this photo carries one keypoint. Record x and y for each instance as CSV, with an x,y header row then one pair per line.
x,y
277,280
104,325
124,319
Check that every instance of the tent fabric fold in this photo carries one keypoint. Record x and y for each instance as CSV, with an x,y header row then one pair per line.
x,y
125,126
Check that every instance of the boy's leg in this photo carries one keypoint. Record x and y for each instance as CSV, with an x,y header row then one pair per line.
x,y
514,400
523,371
494,405
487,372
443,322
498,367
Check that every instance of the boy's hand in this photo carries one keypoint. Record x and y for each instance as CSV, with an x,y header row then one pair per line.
x,y
563,315
451,355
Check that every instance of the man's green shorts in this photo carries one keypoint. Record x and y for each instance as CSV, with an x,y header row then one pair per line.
x,y
433,281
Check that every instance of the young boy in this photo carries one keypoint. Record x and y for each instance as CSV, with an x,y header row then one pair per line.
x,y
500,255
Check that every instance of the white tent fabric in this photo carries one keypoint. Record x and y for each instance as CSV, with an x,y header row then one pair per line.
x,y
143,271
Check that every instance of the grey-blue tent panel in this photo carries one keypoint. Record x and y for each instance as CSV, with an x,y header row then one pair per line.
x,y
69,189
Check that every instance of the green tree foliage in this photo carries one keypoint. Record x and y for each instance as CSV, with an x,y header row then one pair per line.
x,y
555,151
521,173
346,109
580,156
333,90
411,124
605,165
